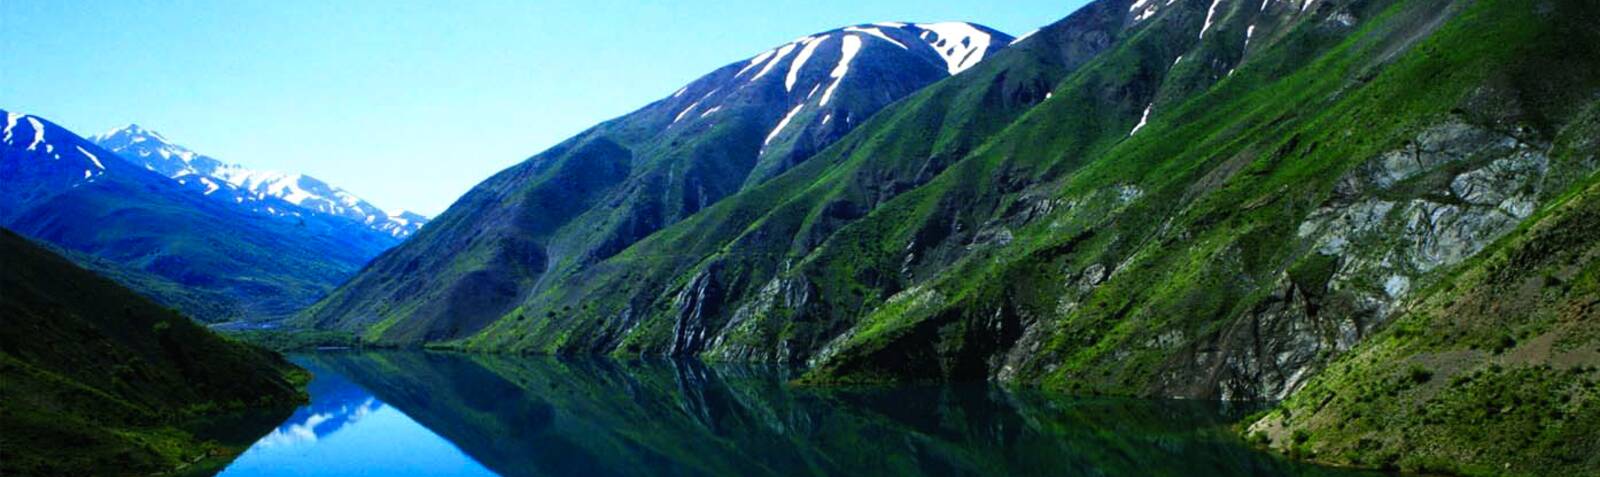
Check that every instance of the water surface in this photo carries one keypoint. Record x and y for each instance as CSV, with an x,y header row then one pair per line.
x,y
421,413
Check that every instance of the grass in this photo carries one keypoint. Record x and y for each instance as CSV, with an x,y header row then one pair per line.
x,y
100,381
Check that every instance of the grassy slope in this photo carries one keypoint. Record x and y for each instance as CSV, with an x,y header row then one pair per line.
x,y
945,238
1494,372
202,304
594,195
1225,177
100,381
783,219
266,269
932,145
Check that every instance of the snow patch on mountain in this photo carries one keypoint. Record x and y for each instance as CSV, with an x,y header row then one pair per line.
x,y
961,44
878,33
757,61
817,63
38,133
29,134
92,158
800,61
783,52
11,123
1143,9
263,191
685,111
1024,36
1143,120
784,123
852,46
1210,14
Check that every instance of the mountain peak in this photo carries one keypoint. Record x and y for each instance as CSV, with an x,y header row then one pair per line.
x,y
959,44
822,84
256,189
130,132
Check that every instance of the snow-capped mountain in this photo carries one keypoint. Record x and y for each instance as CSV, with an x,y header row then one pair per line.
x,y
28,135
267,192
213,259
810,91
740,127
813,67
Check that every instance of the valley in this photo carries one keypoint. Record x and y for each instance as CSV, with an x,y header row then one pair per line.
x,y
1153,237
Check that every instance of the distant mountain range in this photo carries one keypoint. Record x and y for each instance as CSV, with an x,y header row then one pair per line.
x,y
265,192
1382,213
191,243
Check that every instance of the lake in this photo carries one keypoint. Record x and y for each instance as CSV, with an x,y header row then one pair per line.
x,y
425,413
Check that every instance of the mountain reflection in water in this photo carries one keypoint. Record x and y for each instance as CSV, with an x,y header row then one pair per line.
x,y
451,414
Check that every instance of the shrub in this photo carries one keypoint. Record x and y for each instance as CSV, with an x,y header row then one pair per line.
x,y
1420,374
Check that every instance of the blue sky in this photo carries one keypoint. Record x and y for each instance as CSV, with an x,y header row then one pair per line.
x,y
405,103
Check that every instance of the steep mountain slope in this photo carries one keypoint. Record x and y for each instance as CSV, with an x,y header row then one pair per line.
x,y
595,194
264,192
1247,233
99,381
676,291
1189,198
171,243
1492,371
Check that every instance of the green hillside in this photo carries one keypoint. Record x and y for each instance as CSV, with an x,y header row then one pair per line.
x,y
100,381
1200,199
1496,370
1283,196
592,196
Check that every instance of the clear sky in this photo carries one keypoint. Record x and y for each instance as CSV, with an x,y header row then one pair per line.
x,y
405,103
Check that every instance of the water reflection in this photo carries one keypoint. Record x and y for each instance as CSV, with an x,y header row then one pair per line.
x,y
338,403
523,416
345,430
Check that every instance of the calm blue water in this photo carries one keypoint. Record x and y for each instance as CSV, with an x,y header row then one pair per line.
x,y
347,431
420,413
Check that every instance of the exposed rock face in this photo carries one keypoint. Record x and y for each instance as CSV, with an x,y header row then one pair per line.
x,y
702,297
1389,225
743,338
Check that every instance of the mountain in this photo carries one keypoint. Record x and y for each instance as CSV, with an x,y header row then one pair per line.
x,y
214,260
594,195
263,192
99,381
1183,201
1218,199
1496,370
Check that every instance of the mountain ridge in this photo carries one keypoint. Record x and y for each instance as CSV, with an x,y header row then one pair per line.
x,y
597,193
886,256
293,192
172,242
